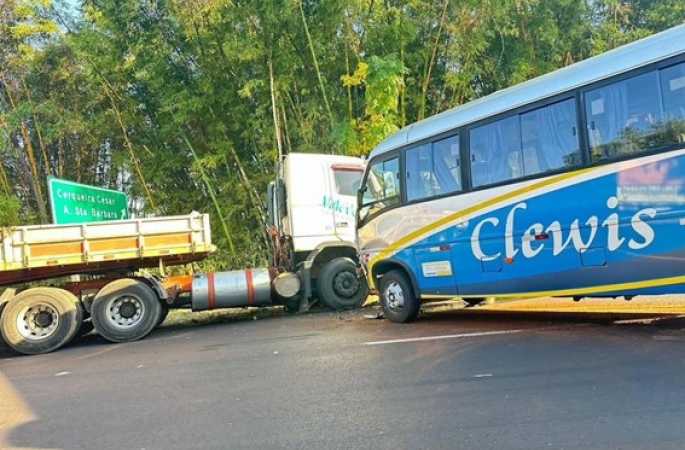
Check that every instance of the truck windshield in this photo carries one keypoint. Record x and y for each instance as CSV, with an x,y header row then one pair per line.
x,y
347,179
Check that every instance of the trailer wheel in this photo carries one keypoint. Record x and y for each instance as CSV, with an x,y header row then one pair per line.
x,y
125,310
397,299
339,285
41,320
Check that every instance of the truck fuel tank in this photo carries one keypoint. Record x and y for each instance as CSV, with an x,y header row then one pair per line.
x,y
242,288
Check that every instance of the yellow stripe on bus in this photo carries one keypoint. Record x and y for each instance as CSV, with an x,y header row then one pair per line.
x,y
397,246
579,291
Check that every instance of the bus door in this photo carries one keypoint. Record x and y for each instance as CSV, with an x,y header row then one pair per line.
x,y
434,269
432,182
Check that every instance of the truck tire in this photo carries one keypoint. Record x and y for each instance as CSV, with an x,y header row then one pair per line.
x,y
397,299
125,310
163,312
41,320
3,344
340,287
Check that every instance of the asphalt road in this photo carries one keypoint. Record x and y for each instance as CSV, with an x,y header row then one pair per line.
x,y
478,379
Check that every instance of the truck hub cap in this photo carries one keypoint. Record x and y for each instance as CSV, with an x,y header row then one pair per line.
x,y
125,312
346,284
37,322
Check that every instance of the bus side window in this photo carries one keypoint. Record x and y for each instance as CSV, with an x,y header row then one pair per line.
x,y
673,91
419,173
492,143
623,117
550,134
446,165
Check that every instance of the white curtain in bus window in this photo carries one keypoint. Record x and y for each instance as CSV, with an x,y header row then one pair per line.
x,y
673,91
623,117
495,152
433,169
420,181
550,138
446,165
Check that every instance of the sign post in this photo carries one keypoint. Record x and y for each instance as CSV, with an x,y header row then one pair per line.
x,y
77,203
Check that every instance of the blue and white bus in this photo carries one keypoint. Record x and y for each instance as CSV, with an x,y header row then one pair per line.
x,y
571,184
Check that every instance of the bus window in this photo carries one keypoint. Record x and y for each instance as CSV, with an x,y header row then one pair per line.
x,y
673,91
623,117
446,165
550,138
495,152
419,181
433,169
381,188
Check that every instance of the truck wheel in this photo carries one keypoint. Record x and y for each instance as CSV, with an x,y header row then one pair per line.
x,y
125,310
163,312
339,285
397,299
41,320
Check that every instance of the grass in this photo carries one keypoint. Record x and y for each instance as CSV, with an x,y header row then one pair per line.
x,y
188,318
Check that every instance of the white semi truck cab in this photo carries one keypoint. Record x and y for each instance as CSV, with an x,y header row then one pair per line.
x,y
312,206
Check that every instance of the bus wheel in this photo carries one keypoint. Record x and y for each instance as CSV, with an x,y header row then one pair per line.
x,y
339,285
397,299
41,320
125,310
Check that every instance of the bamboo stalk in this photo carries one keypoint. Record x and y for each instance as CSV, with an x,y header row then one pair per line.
x,y
274,109
316,64
134,158
33,167
36,124
431,62
217,207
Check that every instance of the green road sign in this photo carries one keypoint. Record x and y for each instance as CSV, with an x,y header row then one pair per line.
x,y
77,203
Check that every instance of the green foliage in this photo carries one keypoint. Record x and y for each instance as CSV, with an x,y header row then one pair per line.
x,y
382,80
10,211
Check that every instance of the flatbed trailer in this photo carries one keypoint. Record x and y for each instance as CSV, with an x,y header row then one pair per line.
x,y
93,270
34,253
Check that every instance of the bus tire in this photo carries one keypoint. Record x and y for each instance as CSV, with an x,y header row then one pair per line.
x,y
41,320
125,310
339,285
397,299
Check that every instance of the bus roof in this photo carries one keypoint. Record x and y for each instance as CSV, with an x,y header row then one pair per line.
x,y
642,52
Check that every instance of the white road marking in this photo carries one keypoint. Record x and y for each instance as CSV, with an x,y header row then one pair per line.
x,y
449,336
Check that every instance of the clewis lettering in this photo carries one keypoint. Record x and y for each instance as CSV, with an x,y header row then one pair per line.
x,y
538,236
